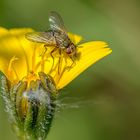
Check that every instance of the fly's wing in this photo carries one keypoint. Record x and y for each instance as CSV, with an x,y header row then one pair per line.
x,y
56,22
41,37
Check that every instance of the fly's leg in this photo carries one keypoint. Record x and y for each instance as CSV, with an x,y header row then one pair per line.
x,y
44,51
60,69
73,63
45,46
68,67
51,53
59,62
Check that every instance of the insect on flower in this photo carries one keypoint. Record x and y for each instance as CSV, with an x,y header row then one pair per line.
x,y
56,37
28,86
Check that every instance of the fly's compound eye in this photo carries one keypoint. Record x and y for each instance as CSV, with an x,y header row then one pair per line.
x,y
70,49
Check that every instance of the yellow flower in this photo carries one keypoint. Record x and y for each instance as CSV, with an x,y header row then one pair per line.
x,y
34,78
21,59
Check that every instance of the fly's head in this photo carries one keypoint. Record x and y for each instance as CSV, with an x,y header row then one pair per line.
x,y
71,50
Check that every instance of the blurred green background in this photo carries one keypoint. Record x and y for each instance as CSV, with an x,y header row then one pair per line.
x,y
103,103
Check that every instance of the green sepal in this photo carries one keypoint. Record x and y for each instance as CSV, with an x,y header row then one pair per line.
x,y
41,108
31,107
5,93
4,86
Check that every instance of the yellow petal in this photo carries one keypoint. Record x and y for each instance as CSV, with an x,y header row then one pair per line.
x,y
3,64
9,47
13,43
25,45
90,53
22,56
28,46
8,44
75,38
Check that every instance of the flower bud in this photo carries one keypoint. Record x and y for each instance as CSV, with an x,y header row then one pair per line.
x,y
32,105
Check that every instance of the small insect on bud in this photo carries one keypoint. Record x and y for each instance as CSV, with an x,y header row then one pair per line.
x,y
32,105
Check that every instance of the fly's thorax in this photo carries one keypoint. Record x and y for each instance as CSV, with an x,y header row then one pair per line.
x,y
33,106
62,40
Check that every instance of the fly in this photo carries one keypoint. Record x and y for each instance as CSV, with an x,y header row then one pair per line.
x,y
57,37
